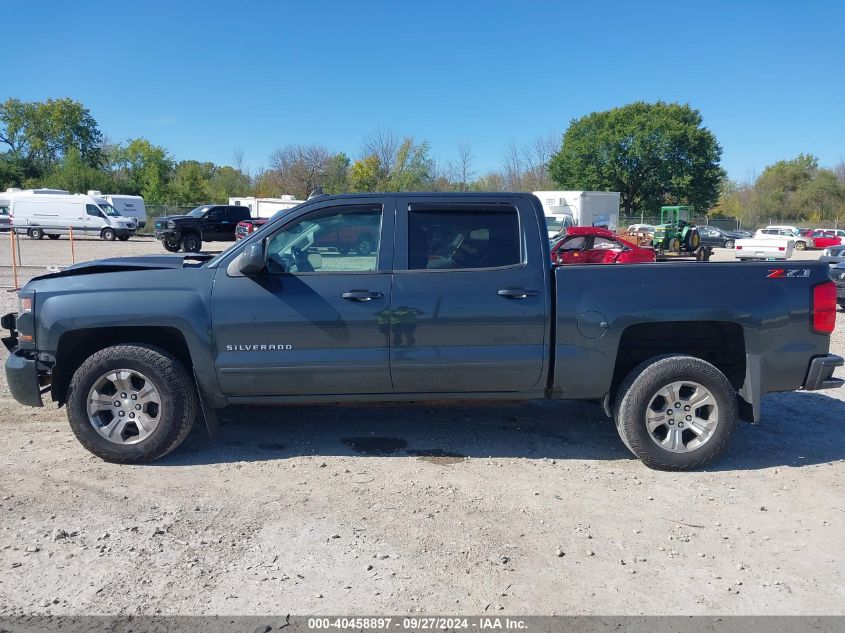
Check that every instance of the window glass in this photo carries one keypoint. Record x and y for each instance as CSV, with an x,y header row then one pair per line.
x,y
574,244
93,209
463,239
344,239
604,243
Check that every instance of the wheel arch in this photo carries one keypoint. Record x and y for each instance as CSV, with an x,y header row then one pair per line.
x,y
721,343
77,345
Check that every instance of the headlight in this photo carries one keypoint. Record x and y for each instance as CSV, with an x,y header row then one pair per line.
x,y
171,224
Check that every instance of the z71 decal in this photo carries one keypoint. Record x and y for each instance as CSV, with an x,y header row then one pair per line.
x,y
778,273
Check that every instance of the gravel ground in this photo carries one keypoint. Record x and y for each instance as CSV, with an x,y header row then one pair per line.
x,y
505,510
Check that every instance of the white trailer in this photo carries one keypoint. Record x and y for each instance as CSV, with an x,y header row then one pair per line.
x,y
265,207
579,208
127,206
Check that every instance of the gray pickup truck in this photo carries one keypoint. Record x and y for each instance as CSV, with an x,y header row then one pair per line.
x,y
457,300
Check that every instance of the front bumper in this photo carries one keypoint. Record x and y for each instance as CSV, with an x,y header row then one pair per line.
x,y
168,234
23,380
820,373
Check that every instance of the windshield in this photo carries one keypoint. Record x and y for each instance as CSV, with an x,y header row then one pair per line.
x,y
559,223
199,211
108,209
4,210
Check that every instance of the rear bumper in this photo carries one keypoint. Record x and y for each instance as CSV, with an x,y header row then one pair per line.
x,y
820,373
22,377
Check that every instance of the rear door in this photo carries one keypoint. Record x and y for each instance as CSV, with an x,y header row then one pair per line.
x,y
470,298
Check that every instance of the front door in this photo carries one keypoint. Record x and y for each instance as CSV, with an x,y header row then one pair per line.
x,y
317,321
469,303
211,224
95,220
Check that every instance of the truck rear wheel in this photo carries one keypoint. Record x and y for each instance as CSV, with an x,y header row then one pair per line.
x,y
131,404
676,412
191,243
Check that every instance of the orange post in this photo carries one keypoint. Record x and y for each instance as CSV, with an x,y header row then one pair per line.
x,y
72,251
14,259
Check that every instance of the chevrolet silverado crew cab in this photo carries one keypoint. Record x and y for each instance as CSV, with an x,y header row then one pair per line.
x,y
206,223
455,299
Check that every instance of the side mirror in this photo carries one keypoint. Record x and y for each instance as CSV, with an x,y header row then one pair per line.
x,y
252,261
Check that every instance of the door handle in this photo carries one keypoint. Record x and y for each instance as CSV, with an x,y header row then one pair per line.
x,y
517,293
362,295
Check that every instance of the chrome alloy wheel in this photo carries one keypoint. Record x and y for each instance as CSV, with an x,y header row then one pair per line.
x,y
124,406
682,416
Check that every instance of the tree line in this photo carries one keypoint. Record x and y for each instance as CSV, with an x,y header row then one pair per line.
x,y
652,153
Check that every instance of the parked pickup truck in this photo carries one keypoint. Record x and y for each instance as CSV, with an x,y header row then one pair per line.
x,y
455,300
206,223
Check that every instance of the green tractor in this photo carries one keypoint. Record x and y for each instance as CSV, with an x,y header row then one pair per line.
x,y
676,234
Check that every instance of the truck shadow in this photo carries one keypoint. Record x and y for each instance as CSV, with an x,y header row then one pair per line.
x,y
797,429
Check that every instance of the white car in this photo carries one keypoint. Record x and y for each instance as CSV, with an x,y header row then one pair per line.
x,y
799,242
641,228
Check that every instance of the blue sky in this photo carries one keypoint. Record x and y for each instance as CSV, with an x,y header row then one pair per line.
x,y
202,78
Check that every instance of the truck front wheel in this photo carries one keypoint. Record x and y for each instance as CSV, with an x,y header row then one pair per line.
x,y
172,247
191,243
676,412
131,404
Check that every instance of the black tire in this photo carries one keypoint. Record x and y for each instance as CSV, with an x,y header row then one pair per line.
x,y
191,243
642,384
800,246
170,246
123,238
178,402
53,237
36,234
108,235
729,243
365,245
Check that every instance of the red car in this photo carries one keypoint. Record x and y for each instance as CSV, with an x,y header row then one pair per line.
x,y
825,238
246,227
591,245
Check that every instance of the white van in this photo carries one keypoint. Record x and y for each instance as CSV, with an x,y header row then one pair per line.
x,y
52,212
127,206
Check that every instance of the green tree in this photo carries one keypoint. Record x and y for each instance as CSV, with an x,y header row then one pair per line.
x,y
43,133
191,182
652,153
336,175
74,174
413,168
364,174
228,182
142,168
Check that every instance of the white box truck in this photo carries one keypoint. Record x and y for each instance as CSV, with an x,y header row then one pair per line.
x,y
52,212
579,208
265,207
127,206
